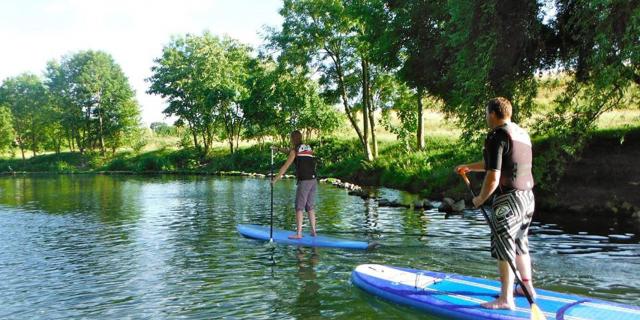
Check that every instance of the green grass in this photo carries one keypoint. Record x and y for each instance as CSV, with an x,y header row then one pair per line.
x,y
429,172
65,162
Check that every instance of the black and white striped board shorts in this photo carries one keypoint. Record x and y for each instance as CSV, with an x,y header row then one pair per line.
x,y
512,212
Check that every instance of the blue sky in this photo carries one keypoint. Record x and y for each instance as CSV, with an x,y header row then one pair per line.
x,y
133,31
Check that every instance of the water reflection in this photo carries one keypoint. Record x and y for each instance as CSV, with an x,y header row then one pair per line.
x,y
308,303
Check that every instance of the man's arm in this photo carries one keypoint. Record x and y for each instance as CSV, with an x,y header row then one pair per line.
x,y
476,166
490,184
494,150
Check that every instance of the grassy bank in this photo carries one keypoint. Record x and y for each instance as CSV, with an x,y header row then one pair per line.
x,y
427,172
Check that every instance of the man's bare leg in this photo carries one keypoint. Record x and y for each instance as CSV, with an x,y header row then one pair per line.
x,y
523,262
505,300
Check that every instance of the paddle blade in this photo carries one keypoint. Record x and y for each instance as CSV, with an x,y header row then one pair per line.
x,y
536,313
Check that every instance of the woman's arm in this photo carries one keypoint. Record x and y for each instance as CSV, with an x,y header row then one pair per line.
x,y
278,149
285,166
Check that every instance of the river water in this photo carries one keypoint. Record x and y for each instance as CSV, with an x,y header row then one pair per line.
x,y
166,247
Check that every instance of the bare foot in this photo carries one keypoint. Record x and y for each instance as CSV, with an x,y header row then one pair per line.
x,y
313,233
499,304
295,236
532,291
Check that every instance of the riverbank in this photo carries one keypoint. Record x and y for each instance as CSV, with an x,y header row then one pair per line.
x,y
603,181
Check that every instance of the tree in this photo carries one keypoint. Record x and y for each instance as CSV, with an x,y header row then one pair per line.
x,y
97,102
26,97
465,52
415,43
396,98
203,79
596,44
327,36
162,129
7,135
283,100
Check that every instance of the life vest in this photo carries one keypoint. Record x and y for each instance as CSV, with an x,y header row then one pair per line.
x,y
518,160
305,163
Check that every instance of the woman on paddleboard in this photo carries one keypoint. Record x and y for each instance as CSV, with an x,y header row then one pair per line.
x,y
509,182
302,156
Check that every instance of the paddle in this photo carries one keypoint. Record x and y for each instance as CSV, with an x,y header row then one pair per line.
x,y
271,184
536,313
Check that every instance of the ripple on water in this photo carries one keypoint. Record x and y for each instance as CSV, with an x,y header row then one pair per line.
x,y
167,247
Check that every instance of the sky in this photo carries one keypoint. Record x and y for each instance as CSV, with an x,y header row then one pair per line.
x,y
132,31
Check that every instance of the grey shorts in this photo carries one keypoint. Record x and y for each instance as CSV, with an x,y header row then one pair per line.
x,y
306,194
512,213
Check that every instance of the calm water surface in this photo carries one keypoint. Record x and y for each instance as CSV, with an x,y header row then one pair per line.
x,y
166,247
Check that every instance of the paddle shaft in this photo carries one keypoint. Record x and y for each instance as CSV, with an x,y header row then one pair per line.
x,y
271,184
495,234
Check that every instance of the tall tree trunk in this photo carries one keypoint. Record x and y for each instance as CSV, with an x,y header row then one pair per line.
x,y
343,93
206,141
237,139
420,133
87,132
365,108
102,150
79,143
372,125
230,140
21,148
70,139
195,137
33,143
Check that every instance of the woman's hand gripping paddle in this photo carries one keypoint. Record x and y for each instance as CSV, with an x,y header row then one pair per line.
x,y
536,313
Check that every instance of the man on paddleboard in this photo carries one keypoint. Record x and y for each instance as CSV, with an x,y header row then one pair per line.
x,y
305,163
508,181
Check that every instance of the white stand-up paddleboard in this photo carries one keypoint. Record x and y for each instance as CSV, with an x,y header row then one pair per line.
x,y
459,297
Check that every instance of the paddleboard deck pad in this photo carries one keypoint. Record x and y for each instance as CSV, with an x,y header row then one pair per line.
x,y
282,236
459,297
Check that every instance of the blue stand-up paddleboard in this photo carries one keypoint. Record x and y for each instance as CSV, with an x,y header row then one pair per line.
x,y
282,236
459,297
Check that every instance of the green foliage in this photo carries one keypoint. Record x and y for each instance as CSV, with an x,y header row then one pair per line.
x,y
153,161
138,140
465,52
602,78
162,129
26,97
64,162
283,100
329,37
93,102
7,135
395,98
204,80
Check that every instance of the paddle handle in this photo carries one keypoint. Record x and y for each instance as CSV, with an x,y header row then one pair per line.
x,y
527,294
